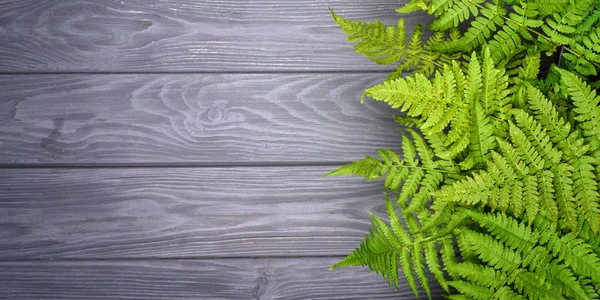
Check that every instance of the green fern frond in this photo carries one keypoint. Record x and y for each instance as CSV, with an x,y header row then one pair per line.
x,y
382,248
527,153
538,136
565,199
472,291
545,7
587,107
493,252
499,187
479,30
437,7
558,26
506,43
455,14
434,265
513,234
558,129
482,138
577,254
473,190
585,187
415,176
385,246
369,167
412,6
518,250
382,44
591,18
480,274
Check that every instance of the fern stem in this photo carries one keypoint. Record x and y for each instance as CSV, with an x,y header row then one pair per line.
x,y
423,168
428,240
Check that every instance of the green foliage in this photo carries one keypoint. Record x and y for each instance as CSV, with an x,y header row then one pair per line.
x,y
496,190
387,45
511,32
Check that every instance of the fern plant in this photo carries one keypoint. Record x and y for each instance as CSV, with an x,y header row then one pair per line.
x,y
512,29
495,192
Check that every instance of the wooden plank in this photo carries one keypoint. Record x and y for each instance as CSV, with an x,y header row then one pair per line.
x,y
183,35
182,212
191,119
206,279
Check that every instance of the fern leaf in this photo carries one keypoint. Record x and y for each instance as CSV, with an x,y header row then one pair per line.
x,y
588,22
448,255
586,191
492,252
437,7
472,290
506,292
575,252
395,223
505,43
564,195
499,168
457,13
482,139
403,93
473,190
480,274
546,195
513,234
545,7
517,198
419,267
561,276
494,85
513,158
378,251
558,129
527,153
481,29
423,150
412,6
559,26
382,44
433,263
529,284
427,186
531,197
538,137
587,107
369,167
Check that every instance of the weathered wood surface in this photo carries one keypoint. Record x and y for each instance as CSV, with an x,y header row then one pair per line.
x,y
173,149
182,212
183,35
191,119
286,279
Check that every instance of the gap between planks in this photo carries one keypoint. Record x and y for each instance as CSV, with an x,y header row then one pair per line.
x,y
174,165
178,258
199,72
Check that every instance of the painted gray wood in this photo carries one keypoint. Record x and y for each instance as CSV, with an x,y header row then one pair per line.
x,y
173,149
183,35
289,279
191,119
116,213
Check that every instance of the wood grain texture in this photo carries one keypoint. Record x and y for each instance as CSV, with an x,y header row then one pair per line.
x,y
182,212
287,279
191,119
183,35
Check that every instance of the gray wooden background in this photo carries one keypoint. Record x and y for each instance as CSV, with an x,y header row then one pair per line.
x,y
155,149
